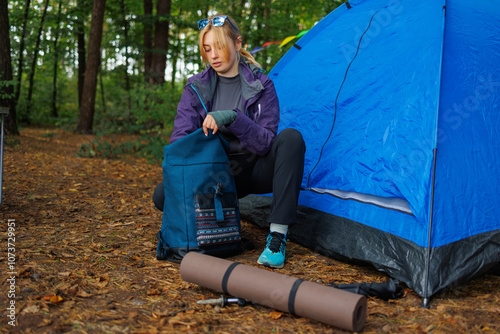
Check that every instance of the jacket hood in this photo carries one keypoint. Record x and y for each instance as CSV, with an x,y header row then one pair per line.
x,y
205,83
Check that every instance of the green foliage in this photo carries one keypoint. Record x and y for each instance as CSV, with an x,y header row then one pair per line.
x,y
40,112
151,107
155,107
4,88
12,141
101,148
149,145
124,103
152,147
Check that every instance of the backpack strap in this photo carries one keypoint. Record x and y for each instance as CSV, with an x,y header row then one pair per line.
x,y
163,250
219,213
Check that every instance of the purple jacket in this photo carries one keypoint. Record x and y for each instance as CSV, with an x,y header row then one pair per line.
x,y
255,126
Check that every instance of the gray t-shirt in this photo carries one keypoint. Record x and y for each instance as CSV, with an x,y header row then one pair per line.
x,y
228,94
228,97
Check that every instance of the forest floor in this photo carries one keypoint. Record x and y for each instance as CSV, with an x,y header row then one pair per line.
x,y
85,258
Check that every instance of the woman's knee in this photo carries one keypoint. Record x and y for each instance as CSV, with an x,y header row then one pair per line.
x,y
292,138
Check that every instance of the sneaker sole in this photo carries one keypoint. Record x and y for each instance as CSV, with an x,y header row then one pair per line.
x,y
266,264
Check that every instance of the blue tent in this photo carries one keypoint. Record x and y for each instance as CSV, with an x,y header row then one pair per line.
x,y
399,106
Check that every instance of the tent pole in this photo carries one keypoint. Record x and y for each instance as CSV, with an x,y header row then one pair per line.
x,y
426,298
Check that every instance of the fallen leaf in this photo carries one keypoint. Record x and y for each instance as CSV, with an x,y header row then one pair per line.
x,y
82,293
441,308
429,328
495,309
72,290
275,315
178,321
148,331
45,322
486,296
136,286
419,330
153,292
157,315
101,282
44,306
31,309
54,299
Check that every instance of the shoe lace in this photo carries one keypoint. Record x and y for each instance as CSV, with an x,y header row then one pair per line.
x,y
276,242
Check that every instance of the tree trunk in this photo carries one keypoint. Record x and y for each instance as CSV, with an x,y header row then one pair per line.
x,y
56,60
6,82
82,62
175,57
35,58
148,40
87,106
127,56
103,96
21,54
176,50
161,41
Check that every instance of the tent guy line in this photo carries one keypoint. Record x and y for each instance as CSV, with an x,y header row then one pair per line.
x,y
337,97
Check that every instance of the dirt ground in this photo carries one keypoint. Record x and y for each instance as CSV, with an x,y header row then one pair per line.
x,y
85,259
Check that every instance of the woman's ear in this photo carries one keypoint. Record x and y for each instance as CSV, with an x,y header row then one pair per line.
x,y
238,44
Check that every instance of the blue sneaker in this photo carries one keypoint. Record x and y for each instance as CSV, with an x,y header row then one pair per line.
x,y
274,254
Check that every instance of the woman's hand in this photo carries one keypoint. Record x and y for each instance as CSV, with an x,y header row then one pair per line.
x,y
209,123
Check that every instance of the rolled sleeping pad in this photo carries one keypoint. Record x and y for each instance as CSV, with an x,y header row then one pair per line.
x,y
322,303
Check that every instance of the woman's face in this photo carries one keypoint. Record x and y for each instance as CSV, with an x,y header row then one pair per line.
x,y
216,59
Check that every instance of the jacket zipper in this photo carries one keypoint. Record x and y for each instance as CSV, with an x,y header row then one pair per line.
x,y
203,104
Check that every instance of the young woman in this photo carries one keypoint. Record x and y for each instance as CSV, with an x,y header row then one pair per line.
x,y
234,97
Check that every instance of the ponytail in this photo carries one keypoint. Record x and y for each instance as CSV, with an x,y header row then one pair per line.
x,y
250,59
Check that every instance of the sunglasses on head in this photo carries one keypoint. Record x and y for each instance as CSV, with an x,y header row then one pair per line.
x,y
217,21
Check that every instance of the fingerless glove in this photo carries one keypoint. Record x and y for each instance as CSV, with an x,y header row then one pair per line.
x,y
223,117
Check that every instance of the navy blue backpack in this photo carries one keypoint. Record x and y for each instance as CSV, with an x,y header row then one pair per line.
x,y
201,209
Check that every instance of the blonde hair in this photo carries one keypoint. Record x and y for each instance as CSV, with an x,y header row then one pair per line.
x,y
222,36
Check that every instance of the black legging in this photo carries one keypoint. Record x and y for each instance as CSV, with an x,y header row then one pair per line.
x,y
279,172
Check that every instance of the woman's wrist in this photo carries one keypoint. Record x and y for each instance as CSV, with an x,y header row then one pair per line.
x,y
223,117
